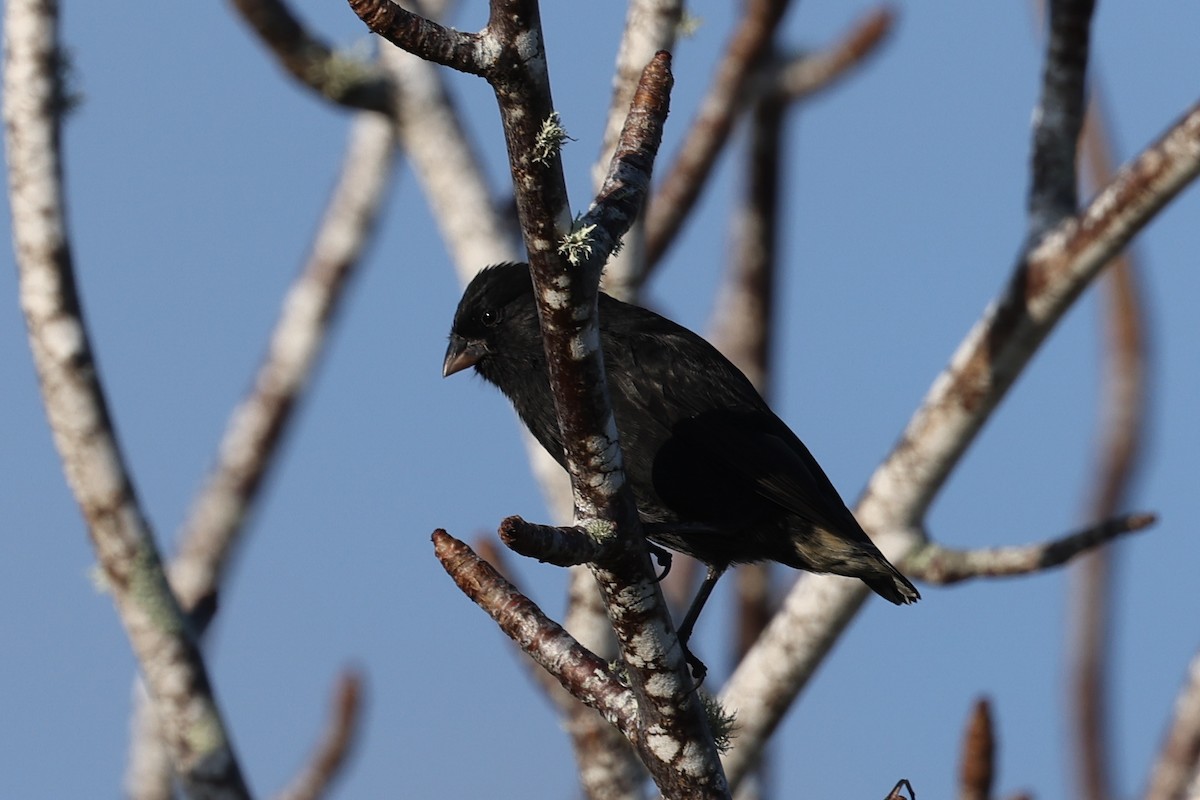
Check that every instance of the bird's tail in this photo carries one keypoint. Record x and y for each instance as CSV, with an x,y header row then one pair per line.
x,y
889,584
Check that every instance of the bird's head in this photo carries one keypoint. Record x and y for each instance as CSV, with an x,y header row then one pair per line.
x,y
495,319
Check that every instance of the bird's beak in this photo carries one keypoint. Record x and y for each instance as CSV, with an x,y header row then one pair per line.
x,y
461,354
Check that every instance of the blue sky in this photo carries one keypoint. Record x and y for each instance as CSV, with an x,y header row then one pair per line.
x,y
196,172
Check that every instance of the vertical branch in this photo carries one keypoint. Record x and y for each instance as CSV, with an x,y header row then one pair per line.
x,y
677,747
1120,434
744,320
650,26
1058,118
709,131
162,638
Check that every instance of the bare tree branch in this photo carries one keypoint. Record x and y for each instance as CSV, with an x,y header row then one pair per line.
x,y
1174,775
815,72
608,766
516,70
1120,434
936,564
329,760
162,638
580,672
251,442
987,362
344,80
650,26
425,38
449,168
259,424
977,767
743,321
1058,119
563,547
708,132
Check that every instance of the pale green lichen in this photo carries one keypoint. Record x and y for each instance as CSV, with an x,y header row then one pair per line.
x,y
550,139
721,722
600,530
577,245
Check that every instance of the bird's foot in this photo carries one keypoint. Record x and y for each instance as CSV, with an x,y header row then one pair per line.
x,y
663,557
695,665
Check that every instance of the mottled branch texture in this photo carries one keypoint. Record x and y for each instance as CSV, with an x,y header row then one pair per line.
x,y
163,641
936,564
1042,288
580,672
516,68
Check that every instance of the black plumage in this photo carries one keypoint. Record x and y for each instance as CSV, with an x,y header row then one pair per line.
x,y
715,472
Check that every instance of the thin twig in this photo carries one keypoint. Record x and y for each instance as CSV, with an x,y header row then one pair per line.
x,y
810,73
328,761
338,77
997,349
709,131
936,564
163,641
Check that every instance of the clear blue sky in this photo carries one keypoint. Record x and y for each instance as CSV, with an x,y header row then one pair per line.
x,y
196,171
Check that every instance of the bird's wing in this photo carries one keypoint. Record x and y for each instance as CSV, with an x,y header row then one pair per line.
x,y
720,449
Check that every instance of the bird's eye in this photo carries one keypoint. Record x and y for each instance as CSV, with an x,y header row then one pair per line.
x,y
489,316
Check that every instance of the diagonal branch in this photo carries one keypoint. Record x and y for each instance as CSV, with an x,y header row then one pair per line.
x,y
1043,287
936,564
425,38
340,78
258,425
579,671
163,641
709,131
329,760
1175,769
815,72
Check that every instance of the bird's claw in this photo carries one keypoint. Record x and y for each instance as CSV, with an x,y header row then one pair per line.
x,y
664,559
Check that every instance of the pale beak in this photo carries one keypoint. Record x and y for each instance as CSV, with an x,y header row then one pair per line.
x,y
461,353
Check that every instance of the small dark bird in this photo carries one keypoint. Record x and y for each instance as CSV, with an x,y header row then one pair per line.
x,y
715,473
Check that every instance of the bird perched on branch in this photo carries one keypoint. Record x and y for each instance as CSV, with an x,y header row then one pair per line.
x,y
715,473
